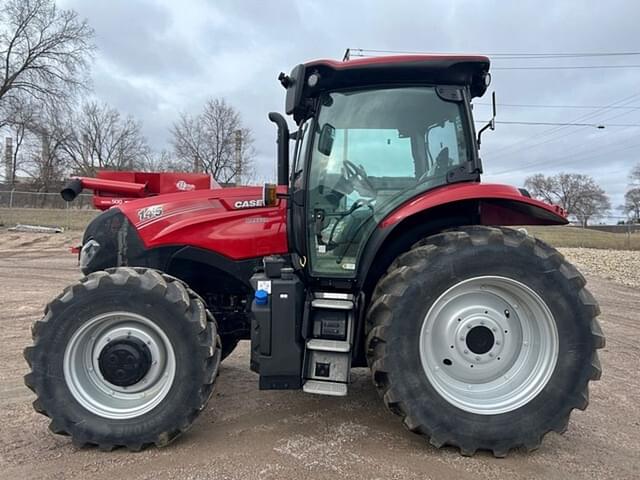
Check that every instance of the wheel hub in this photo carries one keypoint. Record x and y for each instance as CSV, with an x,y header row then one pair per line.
x,y
480,340
488,344
124,362
119,365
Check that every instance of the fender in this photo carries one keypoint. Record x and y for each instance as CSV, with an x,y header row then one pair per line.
x,y
446,207
498,205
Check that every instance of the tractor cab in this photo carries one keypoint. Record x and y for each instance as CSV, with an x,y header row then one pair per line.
x,y
373,133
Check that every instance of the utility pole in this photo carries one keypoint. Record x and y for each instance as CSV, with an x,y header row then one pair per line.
x,y
238,152
8,161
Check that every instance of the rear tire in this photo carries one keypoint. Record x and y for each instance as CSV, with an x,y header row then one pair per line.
x,y
522,372
169,350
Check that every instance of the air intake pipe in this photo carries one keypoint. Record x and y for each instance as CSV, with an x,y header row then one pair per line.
x,y
283,147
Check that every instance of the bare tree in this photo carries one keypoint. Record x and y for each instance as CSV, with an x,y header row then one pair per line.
x,y
47,166
632,204
38,136
635,174
164,161
99,137
44,51
578,194
215,141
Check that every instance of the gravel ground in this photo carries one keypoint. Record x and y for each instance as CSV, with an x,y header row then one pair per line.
x,y
620,266
249,434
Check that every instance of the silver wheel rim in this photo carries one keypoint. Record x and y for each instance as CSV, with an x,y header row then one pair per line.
x,y
91,390
489,345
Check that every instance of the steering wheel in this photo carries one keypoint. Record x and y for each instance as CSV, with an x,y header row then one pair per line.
x,y
357,175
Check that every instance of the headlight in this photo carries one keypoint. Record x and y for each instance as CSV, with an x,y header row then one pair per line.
x,y
88,252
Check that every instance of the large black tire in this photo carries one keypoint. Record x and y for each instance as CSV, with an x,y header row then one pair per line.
x,y
403,298
169,307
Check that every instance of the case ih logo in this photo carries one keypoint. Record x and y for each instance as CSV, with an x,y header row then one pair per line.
x,y
249,203
184,186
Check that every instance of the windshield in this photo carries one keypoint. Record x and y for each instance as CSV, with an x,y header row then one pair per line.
x,y
372,150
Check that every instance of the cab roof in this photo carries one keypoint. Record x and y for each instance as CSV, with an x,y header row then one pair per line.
x,y
445,69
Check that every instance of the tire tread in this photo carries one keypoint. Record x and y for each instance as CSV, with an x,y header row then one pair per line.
x,y
201,323
408,266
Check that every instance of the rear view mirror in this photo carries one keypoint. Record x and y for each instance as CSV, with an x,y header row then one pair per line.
x,y
325,142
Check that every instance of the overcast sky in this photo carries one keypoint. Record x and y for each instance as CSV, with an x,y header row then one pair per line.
x,y
157,58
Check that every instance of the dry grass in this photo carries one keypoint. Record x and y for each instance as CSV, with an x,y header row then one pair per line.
x,y
69,219
573,237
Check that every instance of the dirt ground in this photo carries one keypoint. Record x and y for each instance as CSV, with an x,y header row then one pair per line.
x,y
251,434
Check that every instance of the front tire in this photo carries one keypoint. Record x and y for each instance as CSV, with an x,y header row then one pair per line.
x,y
483,338
125,357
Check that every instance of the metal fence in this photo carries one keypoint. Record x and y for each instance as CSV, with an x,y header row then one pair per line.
x,y
19,199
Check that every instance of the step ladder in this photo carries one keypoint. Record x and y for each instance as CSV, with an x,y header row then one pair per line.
x,y
327,362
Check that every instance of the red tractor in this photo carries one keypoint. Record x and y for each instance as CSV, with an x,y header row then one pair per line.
x,y
379,247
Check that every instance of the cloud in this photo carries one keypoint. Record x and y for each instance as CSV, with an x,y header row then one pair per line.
x,y
158,58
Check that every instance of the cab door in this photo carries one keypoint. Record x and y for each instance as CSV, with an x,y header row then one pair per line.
x,y
297,212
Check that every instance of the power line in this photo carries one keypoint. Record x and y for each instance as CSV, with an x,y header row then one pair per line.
x,y
562,55
535,105
502,56
558,129
565,67
563,124
563,161
358,52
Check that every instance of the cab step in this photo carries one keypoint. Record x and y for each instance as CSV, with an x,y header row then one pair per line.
x,y
325,345
325,388
328,350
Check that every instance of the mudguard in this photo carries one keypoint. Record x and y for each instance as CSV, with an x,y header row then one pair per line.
x,y
447,207
498,205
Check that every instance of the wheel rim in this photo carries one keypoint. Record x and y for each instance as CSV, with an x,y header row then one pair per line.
x,y
489,345
84,365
